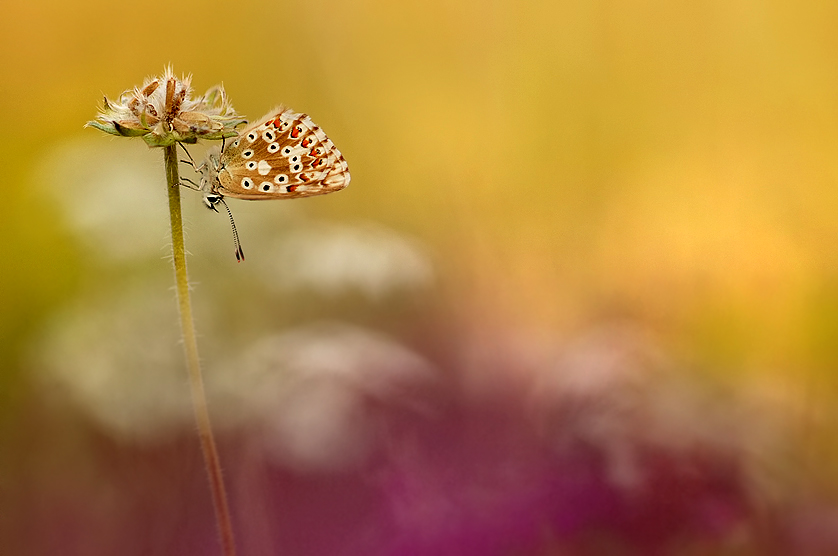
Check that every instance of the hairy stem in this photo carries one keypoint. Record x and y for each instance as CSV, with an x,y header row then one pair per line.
x,y
196,382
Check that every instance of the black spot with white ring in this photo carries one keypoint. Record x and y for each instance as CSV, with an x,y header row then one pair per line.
x,y
251,165
269,136
247,154
247,183
273,147
265,186
252,136
286,151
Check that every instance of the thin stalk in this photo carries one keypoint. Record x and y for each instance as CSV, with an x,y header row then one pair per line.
x,y
196,382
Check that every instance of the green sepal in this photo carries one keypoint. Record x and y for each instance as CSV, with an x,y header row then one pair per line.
x,y
110,129
126,131
153,140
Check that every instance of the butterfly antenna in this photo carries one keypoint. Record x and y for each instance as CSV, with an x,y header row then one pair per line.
x,y
239,252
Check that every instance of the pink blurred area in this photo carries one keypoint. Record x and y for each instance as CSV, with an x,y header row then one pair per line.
x,y
369,448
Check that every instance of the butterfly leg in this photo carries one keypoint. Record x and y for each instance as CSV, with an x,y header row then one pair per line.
x,y
190,184
191,160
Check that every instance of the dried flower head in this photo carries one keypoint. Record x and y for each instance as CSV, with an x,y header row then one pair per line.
x,y
163,112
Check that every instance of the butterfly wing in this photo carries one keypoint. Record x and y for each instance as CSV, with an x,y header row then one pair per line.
x,y
282,156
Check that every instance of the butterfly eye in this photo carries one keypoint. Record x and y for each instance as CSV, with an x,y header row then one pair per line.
x,y
265,186
252,136
247,183
295,158
268,136
296,167
236,143
286,151
251,165
247,154
273,147
281,178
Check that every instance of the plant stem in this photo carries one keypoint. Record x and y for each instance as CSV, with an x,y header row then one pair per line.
x,y
196,382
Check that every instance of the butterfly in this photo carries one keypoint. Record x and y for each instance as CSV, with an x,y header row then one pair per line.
x,y
284,155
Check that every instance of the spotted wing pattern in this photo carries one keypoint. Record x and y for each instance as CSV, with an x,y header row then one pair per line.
x,y
282,156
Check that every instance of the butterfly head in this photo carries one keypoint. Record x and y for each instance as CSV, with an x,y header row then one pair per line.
x,y
212,199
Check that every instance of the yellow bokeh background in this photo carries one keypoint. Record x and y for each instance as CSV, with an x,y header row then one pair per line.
x,y
675,161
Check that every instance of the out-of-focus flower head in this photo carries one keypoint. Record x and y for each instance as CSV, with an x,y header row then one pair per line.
x,y
311,392
163,112
336,259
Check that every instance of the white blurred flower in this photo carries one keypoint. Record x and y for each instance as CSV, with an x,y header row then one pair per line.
x,y
614,390
309,391
111,194
117,357
334,259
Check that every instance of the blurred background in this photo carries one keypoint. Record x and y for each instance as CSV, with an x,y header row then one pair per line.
x,y
581,296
